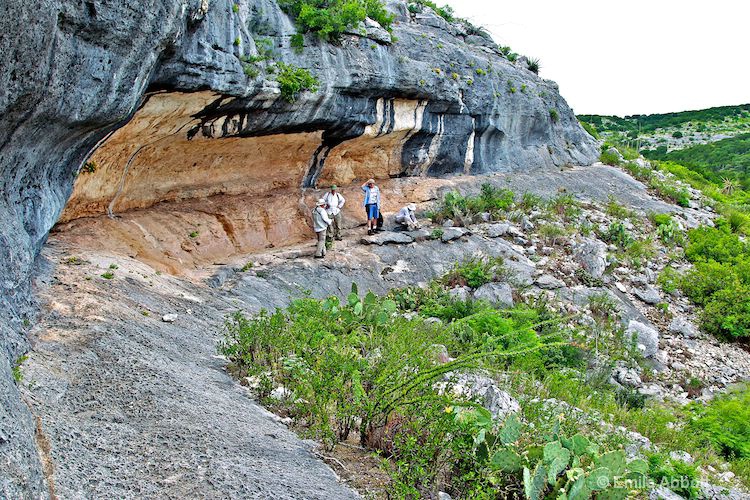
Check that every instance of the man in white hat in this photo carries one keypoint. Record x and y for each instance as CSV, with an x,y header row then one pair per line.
x,y
321,221
334,203
372,204
406,217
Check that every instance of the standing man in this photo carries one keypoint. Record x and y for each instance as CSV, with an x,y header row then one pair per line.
x,y
334,203
321,221
372,204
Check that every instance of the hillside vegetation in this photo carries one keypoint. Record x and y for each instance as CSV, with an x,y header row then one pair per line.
x,y
713,142
400,372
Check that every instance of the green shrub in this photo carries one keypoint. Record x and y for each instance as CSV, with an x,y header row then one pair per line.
x,y
707,243
475,272
727,312
490,199
671,234
293,80
610,158
297,42
551,233
669,280
616,209
530,201
637,252
554,115
726,422
618,235
678,476
235,8
16,369
701,282
588,127
329,19
564,206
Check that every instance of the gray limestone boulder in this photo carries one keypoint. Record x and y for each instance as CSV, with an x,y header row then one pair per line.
x,y
500,294
549,282
387,238
626,376
592,256
462,293
648,294
646,337
683,327
663,493
483,389
452,233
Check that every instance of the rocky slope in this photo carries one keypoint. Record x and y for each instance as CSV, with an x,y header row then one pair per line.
x,y
123,369
199,126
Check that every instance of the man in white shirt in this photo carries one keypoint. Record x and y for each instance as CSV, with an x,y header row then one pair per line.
x,y
406,217
334,203
321,221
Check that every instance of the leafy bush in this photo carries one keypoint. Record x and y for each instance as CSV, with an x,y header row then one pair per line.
x,y
701,282
490,199
726,422
293,80
475,272
668,230
668,280
727,313
707,243
359,366
329,19
719,281
678,476
554,115
610,158
617,210
530,201
590,129
617,233
564,206
446,11
16,369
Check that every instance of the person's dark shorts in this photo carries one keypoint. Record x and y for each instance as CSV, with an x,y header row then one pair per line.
x,y
371,209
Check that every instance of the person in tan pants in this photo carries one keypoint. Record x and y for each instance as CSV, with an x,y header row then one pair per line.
x,y
321,221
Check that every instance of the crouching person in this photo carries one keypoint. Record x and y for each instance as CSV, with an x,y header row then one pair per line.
x,y
407,219
321,221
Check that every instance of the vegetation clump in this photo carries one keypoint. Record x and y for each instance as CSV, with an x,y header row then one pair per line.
x,y
719,281
329,19
490,199
293,81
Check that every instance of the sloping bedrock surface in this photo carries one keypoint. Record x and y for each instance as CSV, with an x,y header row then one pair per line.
x,y
132,406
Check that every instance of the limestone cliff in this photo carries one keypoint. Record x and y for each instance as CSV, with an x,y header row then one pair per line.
x,y
198,122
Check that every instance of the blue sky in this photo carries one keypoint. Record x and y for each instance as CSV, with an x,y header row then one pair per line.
x,y
634,57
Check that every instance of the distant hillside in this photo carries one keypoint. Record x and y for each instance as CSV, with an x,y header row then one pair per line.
x,y
725,158
650,123
713,141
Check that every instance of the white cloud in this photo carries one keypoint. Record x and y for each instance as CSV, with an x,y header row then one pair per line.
x,y
629,57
